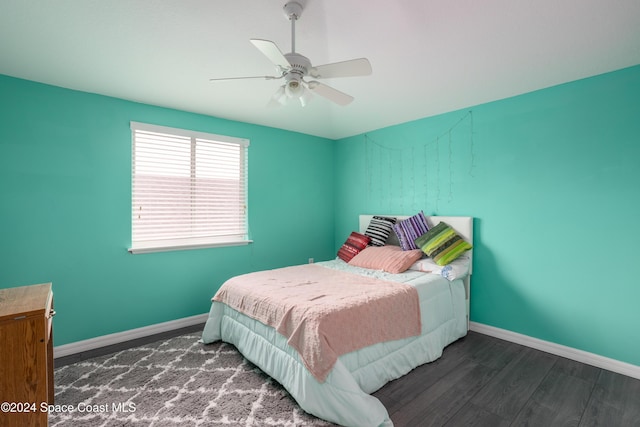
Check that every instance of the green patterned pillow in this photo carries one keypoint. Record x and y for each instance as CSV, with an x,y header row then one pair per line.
x,y
442,243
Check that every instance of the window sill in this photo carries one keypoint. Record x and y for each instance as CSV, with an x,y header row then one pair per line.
x,y
176,247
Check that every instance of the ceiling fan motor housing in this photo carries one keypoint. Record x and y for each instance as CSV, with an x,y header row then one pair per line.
x,y
299,64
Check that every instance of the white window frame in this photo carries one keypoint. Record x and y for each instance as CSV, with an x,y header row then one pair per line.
x,y
179,232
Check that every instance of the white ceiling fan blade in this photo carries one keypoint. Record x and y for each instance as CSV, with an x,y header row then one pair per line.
x,y
271,51
351,68
222,79
330,93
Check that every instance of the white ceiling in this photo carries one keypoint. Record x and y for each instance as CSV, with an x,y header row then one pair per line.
x,y
428,57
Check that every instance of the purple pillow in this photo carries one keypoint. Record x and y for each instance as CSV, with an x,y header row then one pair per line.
x,y
410,229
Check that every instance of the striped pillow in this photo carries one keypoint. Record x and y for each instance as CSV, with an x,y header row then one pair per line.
x,y
379,229
354,244
408,230
442,243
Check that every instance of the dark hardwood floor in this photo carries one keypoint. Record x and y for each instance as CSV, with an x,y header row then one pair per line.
x,y
485,381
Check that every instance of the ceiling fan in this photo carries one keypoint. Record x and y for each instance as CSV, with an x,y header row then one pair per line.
x,y
294,68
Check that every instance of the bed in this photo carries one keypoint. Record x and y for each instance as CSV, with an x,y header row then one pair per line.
x,y
342,394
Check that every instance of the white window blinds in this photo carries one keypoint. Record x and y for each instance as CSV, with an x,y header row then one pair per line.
x,y
189,189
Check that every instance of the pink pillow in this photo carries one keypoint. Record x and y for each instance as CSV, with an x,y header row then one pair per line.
x,y
391,259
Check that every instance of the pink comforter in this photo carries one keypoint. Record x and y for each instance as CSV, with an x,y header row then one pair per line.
x,y
323,312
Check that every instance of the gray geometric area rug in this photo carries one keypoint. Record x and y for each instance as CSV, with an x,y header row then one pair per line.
x,y
177,382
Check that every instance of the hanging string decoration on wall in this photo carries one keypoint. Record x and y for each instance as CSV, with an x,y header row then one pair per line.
x,y
418,169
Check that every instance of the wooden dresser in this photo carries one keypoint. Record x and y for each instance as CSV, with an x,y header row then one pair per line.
x,y
26,355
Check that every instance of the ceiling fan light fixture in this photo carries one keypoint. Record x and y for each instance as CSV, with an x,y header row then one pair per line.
x,y
293,88
278,99
305,97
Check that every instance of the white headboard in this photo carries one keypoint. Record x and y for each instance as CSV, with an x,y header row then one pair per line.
x,y
463,226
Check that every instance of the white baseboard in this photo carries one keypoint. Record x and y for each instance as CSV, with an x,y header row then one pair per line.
x,y
559,350
105,340
514,337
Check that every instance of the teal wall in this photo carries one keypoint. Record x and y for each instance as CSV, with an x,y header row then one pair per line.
x,y
65,213
551,177
553,180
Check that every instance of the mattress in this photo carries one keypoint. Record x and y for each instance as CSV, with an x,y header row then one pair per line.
x,y
344,397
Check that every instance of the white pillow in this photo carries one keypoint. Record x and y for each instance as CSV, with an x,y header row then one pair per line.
x,y
454,270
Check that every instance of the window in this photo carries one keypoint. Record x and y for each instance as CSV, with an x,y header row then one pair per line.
x,y
189,189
